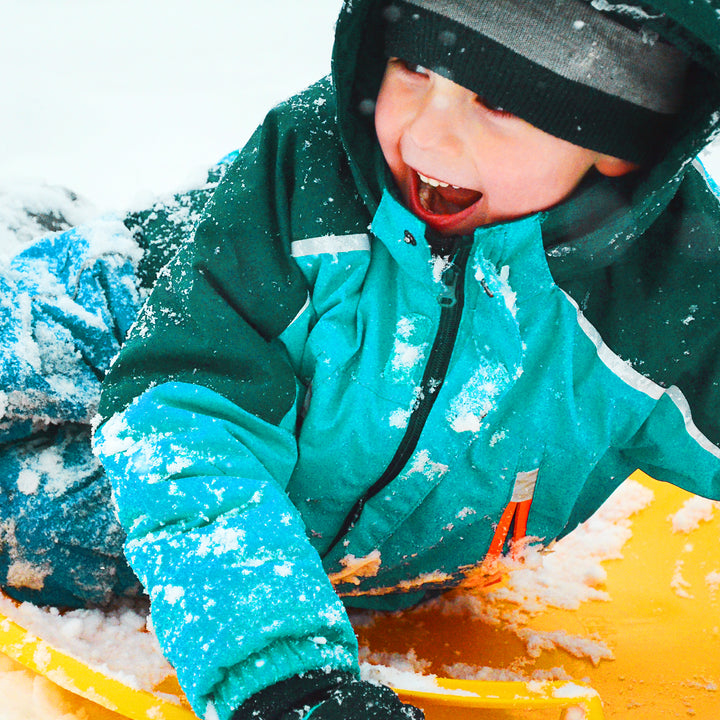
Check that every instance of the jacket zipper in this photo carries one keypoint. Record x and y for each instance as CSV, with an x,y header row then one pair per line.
x,y
452,300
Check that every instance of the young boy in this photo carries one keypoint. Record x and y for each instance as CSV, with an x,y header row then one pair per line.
x,y
398,329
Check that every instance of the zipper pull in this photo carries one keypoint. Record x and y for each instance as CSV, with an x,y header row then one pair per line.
x,y
449,279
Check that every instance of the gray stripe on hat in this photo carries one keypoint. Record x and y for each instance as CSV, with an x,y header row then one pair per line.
x,y
577,43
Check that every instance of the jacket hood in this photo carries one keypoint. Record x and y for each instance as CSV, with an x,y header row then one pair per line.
x,y
602,210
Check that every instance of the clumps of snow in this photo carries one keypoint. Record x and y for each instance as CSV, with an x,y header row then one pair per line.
x,y
172,593
694,511
565,575
109,236
436,576
399,419
47,467
478,397
402,662
401,670
20,572
439,266
678,583
221,540
593,649
355,568
407,353
634,11
703,684
463,671
116,642
408,672
713,579
567,690
24,574
570,571
691,317
421,463
575,713
30,210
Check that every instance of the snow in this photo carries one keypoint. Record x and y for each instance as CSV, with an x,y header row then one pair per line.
x,y
118,103
123,101
694,511
404,671
565,575
116,643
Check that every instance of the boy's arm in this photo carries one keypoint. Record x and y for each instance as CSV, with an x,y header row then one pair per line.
x,y
200,445
239,597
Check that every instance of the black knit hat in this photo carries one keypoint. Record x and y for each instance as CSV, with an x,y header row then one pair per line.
x,y
561,65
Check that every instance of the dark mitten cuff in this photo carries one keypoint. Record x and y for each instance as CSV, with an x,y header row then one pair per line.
x,y
359,700
285,700
330,696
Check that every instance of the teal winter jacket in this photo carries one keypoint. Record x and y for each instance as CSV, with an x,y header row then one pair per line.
x,y
320,389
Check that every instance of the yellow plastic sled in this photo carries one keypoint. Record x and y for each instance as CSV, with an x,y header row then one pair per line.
x,y
661,624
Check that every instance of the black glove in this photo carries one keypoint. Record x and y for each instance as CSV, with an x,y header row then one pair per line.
x,y
335,696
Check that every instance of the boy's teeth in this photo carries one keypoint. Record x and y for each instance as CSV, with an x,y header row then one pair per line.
x,y
435,183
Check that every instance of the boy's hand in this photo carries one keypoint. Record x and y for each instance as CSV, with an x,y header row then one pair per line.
x,y
322,696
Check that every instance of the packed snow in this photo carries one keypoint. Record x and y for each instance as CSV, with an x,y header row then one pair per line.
x,y
110,105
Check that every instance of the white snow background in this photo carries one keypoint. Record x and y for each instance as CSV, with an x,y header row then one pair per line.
x,y
125,101
120,101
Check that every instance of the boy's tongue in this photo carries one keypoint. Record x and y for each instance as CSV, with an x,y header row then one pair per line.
x,y
445,201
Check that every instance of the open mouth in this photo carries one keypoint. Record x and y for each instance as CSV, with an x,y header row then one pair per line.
x,y
440,204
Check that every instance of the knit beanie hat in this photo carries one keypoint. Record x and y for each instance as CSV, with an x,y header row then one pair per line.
x,y
596,79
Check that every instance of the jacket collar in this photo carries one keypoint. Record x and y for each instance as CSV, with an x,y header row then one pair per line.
x,y
518,243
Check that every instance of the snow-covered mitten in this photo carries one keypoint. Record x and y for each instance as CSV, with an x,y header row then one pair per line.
x,y
323,696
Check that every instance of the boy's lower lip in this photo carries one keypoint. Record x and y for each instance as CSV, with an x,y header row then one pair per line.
x,y
436,220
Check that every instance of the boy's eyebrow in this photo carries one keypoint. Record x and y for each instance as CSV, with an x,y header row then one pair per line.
x,y
578,43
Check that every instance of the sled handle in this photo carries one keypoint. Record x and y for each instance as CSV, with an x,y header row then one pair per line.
x,y
466,698
25,647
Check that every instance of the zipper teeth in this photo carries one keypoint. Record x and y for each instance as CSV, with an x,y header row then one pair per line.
x,y
432,381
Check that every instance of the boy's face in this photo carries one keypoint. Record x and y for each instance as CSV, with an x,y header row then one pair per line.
x,y
491,165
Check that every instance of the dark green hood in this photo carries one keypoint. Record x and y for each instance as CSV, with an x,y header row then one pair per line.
x,y
614,208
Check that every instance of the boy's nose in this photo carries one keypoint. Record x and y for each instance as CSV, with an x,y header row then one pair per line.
x,y
434,122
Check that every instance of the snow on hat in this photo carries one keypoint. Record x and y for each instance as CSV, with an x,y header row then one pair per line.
x,y
561,65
